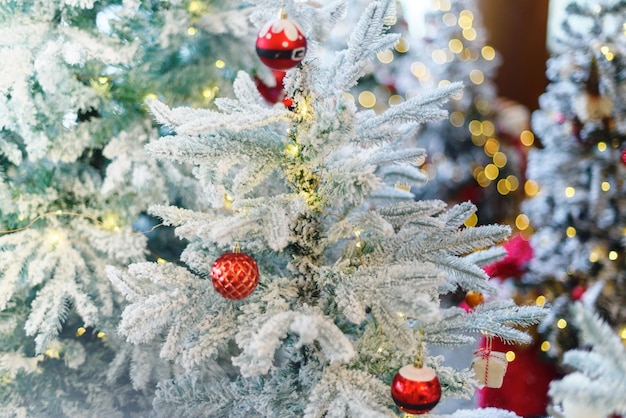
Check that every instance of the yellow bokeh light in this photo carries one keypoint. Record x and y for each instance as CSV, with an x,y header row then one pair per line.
x,y
540,301
385,57
444,5
419,70
457,118
195,7
482,179
492,146
151,96
220,64
455,45
605,186
570,232
570,192
503,187
522,222
545,346
602,146
594,256
465,21
191,31
613,255
367,99
475,127
488,127
531,188
527,138
80,331
479,140
510,356
472,220
469,34
161,260
499,159
402,46
488,53
477,77
491,171
561,323
395,99
622,333
513,182
100,334
449,19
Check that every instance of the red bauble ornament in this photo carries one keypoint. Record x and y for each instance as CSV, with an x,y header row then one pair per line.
x,y
623,156
578,292
415,390
280,44
288,102
235,275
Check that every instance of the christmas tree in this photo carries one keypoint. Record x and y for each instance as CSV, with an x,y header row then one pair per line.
x,y
311,281
578,212
75,183
477,153
596,388
349,281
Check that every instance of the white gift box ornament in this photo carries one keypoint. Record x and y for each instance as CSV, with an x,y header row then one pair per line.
x,y
489,367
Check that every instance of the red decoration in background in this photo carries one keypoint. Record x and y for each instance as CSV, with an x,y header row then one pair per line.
x,y
623,157
415,390
280,44
235,275
578,292
525,385
518,254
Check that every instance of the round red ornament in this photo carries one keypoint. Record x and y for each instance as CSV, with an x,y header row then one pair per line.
x,y
281,44
623,156
415,390
235,275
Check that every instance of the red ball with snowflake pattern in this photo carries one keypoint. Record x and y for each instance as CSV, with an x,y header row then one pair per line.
x,y
281,44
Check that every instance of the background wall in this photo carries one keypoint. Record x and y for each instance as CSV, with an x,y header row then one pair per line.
x,y
517,29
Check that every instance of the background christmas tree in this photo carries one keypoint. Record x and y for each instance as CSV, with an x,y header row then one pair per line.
x,y
316,198
350,279
75,182
576,183
578,214
595,389
478,154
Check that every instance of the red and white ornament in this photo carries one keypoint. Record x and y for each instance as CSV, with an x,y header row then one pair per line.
x,y
416,390
281,44
489,367
235,275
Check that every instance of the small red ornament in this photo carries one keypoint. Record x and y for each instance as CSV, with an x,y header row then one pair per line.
x,y
288,102
415,390
473,299
235,275
578,292
281,44
623,156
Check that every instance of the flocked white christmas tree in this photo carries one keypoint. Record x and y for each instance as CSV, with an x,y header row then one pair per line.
x,y
315,198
